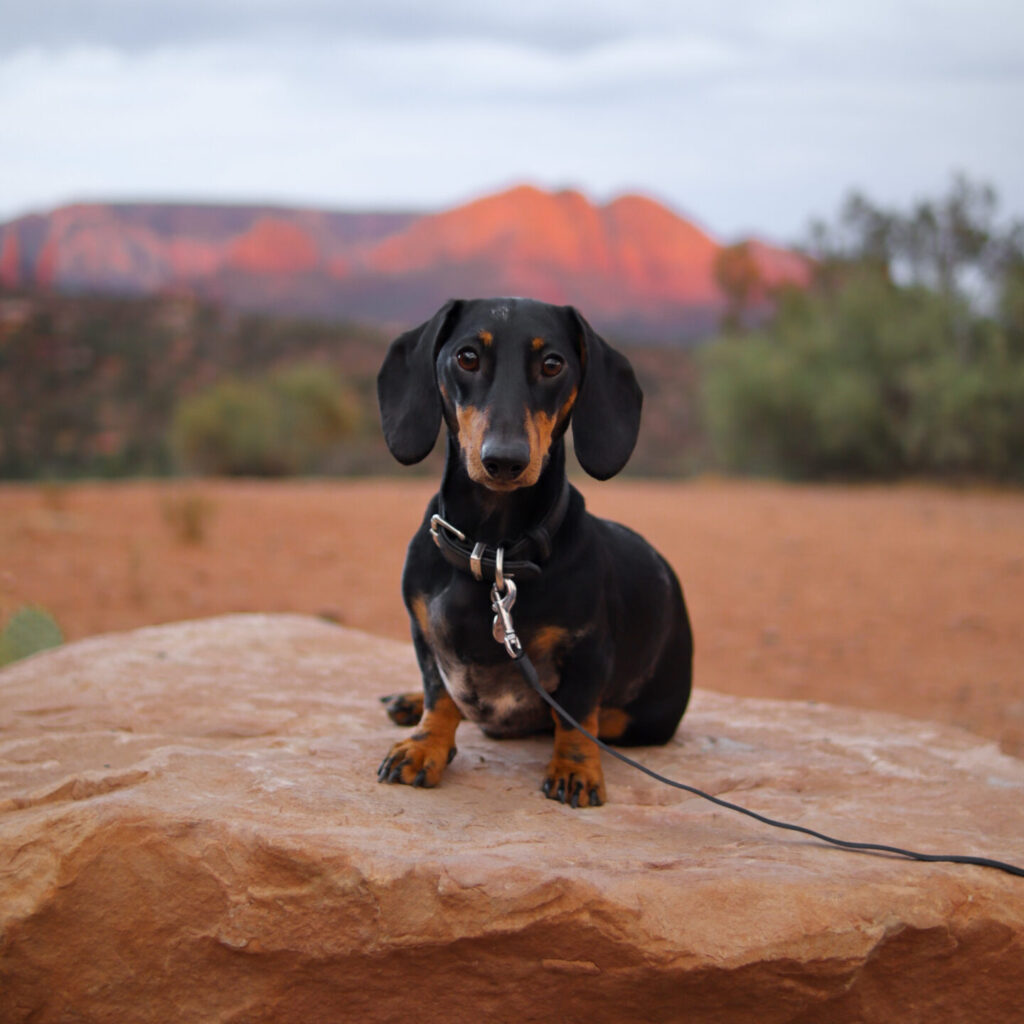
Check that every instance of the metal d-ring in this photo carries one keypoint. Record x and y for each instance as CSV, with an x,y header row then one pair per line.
x,y
499,575
436,523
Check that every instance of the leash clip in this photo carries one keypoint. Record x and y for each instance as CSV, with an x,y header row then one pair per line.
x,y
503,629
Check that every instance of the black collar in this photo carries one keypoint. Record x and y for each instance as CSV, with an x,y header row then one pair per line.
x,y
521,559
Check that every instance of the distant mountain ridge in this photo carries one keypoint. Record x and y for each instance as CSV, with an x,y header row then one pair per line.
x,y
632,266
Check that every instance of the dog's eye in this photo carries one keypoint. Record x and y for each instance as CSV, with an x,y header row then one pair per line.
x,y
468,360
552,365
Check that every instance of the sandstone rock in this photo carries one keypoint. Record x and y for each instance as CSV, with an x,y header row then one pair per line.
x,y
191,830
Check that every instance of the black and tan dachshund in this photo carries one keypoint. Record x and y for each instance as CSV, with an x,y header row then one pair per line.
x,y
598,610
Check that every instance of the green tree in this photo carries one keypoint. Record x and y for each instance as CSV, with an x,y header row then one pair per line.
x,y
740,281
907,356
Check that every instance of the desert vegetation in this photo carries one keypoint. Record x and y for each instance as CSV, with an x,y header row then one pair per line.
x,y
26,631
282,423
102,387
903,358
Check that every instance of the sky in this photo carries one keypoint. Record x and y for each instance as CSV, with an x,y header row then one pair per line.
x,y
750,117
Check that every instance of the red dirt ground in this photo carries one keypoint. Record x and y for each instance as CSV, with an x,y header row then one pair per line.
x,y
905,599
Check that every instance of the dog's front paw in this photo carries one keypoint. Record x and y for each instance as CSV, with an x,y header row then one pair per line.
x,y
579,783
417,761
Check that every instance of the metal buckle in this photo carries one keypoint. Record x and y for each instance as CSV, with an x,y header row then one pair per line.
x,y
476,560
436,521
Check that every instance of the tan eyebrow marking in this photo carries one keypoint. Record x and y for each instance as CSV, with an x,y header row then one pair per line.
x,y
537,344
486,337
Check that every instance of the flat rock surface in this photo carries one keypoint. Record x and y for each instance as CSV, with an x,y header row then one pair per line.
x,y
191,829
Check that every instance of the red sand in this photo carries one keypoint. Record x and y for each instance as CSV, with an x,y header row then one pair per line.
x,y
907,599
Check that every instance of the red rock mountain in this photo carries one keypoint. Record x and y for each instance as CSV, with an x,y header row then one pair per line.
x,y
632,266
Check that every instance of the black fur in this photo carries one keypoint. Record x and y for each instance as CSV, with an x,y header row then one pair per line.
x,y
605,623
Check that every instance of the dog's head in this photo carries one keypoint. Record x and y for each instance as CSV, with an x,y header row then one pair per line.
x,y
508,376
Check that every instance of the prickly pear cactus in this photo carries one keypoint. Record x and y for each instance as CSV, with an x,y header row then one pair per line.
x,y
28,630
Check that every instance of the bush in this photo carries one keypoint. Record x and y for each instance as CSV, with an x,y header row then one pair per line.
x,y
29,629
968,420
278,424
868,379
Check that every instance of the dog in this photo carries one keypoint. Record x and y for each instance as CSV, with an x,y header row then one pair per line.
x,y
599,612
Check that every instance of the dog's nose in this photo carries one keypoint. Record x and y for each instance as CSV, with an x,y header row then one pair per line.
x,y
505,461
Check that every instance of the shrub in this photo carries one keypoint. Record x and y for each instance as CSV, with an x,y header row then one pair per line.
x,y
968,420
29,629
281,423
228,430
188,516
868,379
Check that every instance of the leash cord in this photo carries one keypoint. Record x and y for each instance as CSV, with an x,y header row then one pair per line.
x,y
529,673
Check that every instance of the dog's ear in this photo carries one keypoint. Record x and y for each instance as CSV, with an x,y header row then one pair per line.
x,y
410,405
606,417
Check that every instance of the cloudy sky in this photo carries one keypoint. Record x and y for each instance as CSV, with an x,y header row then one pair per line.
x,y
749,116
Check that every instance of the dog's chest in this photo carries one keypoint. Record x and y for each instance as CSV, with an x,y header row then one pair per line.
x,y
478,674
495,697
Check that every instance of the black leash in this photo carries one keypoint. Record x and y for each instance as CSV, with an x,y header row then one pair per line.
x,y
505,633
528,672
484,562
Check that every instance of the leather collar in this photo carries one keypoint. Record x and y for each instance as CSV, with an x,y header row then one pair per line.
x,y
522,559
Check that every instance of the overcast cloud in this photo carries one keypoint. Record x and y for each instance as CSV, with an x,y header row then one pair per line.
x,y
748,116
